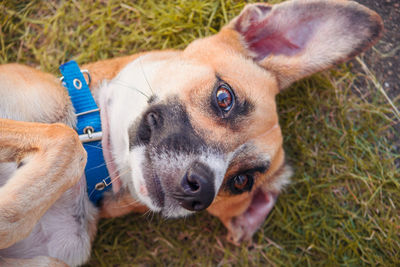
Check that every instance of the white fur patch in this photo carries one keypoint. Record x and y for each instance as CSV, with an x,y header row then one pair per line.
x,y
180,162
171,168
137,183
283,179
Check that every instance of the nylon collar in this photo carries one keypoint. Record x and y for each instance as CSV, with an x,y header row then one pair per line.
x,y
89,129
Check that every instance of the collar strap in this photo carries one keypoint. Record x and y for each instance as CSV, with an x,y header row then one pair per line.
x,y
89,129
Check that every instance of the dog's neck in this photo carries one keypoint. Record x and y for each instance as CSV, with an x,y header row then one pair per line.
x,y
119,201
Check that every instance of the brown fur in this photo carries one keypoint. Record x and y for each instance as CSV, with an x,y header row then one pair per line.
x,y
39,145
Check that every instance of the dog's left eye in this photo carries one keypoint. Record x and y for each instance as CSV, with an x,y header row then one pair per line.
x,y
241,183
225,97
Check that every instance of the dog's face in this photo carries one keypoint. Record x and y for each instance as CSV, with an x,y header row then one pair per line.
x,y
198,129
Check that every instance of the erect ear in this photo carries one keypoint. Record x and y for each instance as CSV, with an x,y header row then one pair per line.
x,y
297,38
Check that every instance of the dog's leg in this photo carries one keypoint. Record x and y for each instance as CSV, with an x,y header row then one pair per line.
x,y
50,160
40,261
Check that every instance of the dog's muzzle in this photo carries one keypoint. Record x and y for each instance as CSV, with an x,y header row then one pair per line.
x,y
180,169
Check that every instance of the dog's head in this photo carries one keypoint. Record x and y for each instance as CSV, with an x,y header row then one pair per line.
x,y
198,129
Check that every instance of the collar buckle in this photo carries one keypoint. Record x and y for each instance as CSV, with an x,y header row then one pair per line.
x,y
90,137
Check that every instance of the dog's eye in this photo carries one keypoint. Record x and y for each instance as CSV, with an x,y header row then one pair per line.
x,y
241,183
225,97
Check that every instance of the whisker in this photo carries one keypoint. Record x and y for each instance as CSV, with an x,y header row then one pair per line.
x,y
131,87
100,148
130,204
149,214
109,176
120,172
103,164
91,193
144,75
112,180
95,167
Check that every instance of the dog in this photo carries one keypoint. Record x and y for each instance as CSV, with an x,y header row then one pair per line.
x,y
183,131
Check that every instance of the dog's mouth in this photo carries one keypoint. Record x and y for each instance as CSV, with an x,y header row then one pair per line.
x,y
159,186
177,184
158,191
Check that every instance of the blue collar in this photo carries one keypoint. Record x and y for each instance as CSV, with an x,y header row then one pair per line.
x,y
89,129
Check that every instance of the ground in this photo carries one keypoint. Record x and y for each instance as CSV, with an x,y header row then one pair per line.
x,y
384,58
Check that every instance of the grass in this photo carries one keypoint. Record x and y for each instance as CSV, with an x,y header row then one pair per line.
x,y
342,207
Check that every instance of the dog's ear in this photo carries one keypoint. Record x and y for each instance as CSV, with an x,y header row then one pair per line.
x,y
297,38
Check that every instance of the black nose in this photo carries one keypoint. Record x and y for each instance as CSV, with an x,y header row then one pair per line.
x,y
197,187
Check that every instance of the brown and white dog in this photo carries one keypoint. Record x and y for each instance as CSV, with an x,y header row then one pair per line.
x,y
183,131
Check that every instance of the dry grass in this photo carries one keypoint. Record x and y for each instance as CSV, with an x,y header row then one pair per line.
x,y
343,205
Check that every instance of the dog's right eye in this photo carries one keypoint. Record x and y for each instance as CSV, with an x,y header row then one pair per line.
x,y
241,183
224,97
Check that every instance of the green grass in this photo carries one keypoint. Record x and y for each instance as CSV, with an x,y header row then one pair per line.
x,y
342,207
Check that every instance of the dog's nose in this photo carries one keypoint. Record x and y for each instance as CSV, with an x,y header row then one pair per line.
x,y
197,187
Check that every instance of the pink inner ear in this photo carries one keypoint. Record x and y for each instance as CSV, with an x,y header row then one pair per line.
x,y
266,36
248,222
261,205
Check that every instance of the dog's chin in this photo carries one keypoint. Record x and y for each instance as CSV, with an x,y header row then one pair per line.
x,y
152,201
176,212
147,189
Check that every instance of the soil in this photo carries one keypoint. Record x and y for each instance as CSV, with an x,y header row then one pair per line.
x,y
384,59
